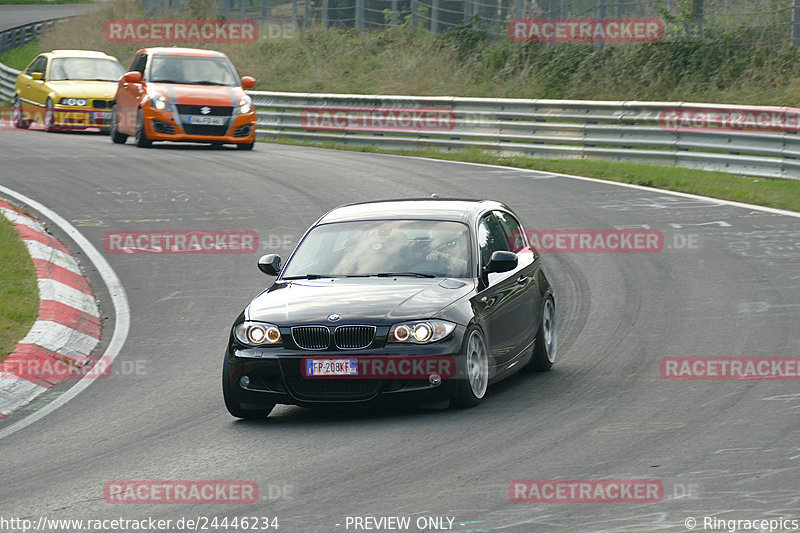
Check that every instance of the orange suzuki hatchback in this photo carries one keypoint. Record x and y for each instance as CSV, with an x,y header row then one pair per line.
x,y
183,94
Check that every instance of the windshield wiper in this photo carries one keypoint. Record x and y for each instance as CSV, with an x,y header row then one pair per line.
x,y
405,274
309,276
207,83
318,276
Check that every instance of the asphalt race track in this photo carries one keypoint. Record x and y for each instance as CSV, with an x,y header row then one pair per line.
x,y
726,284
18,15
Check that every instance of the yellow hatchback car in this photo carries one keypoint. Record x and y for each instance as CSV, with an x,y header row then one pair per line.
x,y
67,89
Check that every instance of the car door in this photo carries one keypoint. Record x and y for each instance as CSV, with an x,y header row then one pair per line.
x,y
499,305
33,93
528,305
129,95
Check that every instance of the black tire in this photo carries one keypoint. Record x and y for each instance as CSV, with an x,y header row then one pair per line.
x,y
50,116
472,389
546,345
245,146
19,120
234,408
141,135
116,136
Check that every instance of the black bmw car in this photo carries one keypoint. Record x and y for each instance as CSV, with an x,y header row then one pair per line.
x,y
417,299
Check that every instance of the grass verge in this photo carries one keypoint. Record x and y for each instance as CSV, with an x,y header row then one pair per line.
x,y
19,58
19,291
767,192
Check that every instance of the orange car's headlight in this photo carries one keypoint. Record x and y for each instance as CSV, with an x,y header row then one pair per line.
x,y
245,104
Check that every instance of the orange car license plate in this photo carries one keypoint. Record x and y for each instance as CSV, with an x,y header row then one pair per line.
x,y
207,120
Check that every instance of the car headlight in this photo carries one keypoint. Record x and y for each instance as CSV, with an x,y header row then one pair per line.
x,y
421,331
245,104
257,333
73,101
158,100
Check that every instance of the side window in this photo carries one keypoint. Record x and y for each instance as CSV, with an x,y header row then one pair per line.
x,y
139,62
516,236
491,237
39,65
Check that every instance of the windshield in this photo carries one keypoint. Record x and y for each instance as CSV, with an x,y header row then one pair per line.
x,y
404,247
85,68
193,70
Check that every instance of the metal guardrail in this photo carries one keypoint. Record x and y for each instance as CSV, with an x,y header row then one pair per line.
x,y
578,129
648,132
22,35
8,78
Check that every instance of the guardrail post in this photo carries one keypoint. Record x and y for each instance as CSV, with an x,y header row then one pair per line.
x,y
307,8
796,23
264,9
414,14
395,12
294,13
324,13
435,16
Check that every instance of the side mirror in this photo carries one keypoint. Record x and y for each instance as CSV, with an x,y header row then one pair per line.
x,y
248,82
501,261
38,76
134,76
270,264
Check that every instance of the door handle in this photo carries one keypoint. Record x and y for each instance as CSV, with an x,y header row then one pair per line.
x,y
522,280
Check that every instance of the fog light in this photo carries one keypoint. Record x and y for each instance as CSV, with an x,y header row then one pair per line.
x,y
435,379
244,381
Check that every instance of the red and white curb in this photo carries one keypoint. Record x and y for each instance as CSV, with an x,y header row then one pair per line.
x,y
68,326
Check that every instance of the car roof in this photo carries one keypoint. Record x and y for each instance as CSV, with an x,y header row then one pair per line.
x,y
459,210
80,53
178,51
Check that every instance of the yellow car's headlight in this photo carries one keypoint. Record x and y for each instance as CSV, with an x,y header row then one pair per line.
x,y
74,101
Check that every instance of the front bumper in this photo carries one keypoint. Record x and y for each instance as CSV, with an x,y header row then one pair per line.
x,y
73,117
277,376
167,125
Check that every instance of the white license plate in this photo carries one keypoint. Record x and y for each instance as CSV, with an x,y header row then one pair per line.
x,y
104,115
207,120
331,367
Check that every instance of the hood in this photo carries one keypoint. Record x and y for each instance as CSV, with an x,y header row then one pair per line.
x,y
375,301
84,89
210,95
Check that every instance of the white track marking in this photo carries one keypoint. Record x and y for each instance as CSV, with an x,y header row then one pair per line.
x,y
115,289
